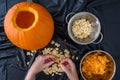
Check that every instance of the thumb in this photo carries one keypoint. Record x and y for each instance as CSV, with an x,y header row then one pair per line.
x,y
65,69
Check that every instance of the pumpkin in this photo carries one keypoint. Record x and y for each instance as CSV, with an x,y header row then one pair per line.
x,y
29,25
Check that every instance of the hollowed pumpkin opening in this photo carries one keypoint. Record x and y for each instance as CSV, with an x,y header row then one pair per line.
x,y
25,19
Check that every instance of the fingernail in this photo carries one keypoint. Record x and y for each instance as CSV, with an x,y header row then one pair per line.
x,y
52,62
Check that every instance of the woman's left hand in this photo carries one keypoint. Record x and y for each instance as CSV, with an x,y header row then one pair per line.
x,y
42,62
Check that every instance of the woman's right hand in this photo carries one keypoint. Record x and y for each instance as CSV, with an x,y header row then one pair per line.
x,y
69,68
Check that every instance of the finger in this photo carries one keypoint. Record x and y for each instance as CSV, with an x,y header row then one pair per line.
x,y
64,60
66,64
49,56
48,60
69,61
48,64
65,69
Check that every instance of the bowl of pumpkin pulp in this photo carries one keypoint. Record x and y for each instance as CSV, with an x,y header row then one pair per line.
x,y
97,65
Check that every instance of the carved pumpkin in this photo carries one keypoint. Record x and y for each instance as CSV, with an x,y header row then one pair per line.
x,y
29,25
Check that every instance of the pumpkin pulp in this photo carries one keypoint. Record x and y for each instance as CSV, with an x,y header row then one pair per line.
x,y
25,19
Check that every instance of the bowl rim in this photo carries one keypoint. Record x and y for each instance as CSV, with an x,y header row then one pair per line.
x,y
71,34
89,52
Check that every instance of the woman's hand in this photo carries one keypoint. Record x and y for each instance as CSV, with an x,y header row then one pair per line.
x,y
39,64
42,62
69,68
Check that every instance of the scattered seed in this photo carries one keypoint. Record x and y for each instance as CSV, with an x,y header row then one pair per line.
x,y
52,74
57,44
60,73
76,58
28,63
52,42
28,53
31,54
33,51
56,48
73,57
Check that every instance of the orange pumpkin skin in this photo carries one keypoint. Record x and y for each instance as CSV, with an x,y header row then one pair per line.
x,y
29,26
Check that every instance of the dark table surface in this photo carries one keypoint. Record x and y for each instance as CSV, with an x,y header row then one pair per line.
x,y
13,60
